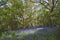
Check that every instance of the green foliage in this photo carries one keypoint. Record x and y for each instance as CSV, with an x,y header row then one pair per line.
x,y
22,14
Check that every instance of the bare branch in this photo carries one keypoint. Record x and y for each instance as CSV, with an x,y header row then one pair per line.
x,y
52,7
45,6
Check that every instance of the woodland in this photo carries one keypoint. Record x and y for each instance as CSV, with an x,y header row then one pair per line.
x,y
16,14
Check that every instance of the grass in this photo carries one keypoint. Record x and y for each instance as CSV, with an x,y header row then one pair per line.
x,y
51,35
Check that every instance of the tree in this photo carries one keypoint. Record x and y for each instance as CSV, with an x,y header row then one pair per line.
x,y
21,14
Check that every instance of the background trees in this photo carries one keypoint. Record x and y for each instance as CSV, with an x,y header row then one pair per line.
x,y
27,13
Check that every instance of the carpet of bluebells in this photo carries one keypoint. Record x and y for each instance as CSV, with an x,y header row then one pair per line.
x,y
33,33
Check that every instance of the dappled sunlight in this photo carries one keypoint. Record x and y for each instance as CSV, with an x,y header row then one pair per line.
x,y
30,31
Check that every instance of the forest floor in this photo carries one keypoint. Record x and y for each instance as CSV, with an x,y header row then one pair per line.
x,y
35,33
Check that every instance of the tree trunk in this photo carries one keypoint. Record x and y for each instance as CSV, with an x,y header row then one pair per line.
x,y
58,34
